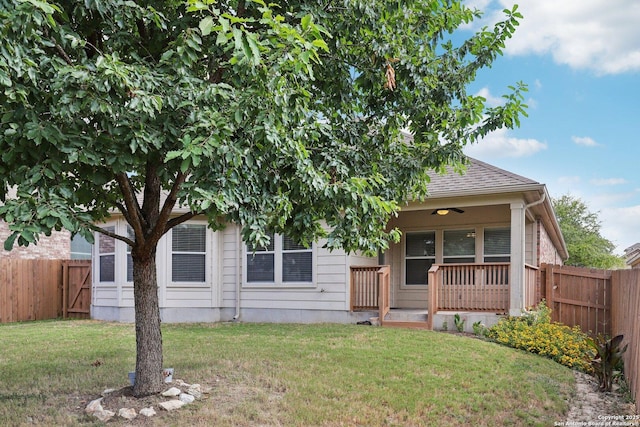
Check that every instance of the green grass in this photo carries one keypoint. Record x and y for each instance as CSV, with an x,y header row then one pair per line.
x,y
294,375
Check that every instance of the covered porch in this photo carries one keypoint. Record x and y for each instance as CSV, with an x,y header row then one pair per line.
x,y
476,291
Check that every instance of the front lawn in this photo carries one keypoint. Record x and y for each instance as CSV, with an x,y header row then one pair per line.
x,y
293,375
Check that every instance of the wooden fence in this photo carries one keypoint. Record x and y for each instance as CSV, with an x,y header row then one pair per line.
x,y
625,320
600,302
579,296
34,289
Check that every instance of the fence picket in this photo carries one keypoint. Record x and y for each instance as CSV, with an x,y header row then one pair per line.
x,y
32,289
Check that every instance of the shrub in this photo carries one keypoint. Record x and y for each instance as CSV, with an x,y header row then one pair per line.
x,y
534,333
459,322
479,329
540,314
607,362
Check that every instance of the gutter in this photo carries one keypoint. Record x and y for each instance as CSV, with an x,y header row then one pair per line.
x,y
236,317
542,199
554,224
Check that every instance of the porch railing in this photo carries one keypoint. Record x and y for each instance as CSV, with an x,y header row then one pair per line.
x,y
370,289
469,287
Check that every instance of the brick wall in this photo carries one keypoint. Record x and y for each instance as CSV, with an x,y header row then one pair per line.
x,y
56,246
547,252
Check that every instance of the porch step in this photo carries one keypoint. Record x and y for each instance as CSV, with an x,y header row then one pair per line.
x,y
406,315
401,318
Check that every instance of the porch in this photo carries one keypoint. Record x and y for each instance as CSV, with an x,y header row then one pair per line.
x,y
476,291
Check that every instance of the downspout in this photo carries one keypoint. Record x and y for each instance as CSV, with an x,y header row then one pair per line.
x,y
537,202
236,317
526,208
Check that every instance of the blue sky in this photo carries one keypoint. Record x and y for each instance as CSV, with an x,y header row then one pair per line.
x,y
581,61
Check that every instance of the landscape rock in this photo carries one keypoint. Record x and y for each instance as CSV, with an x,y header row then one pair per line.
x,y
181,383
148,412
127,413
187,398
93,406
95,409
171,405
195,391
172,392
104,415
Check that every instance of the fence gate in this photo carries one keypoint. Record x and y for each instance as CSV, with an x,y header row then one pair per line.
x,y
76,289
579,296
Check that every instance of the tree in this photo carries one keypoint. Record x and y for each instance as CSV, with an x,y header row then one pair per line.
x,y
278,117
581,230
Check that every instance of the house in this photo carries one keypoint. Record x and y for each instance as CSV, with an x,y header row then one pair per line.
x,y
55,246
632,255
58,245
473,246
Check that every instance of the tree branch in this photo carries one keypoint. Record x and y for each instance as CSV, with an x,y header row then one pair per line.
x,y
131,203
180,219
112,234
124,211
162,217
62,53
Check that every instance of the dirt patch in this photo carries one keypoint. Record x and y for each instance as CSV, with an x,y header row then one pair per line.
x,y
590,405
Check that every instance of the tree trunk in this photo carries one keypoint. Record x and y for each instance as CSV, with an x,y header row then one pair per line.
x,y
149,378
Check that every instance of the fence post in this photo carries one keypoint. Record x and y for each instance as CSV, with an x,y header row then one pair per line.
x,y
548,284
432,284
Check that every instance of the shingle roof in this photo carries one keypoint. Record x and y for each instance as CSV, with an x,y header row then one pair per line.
x,y
479,178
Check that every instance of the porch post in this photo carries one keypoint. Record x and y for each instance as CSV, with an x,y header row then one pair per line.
x,y
517,273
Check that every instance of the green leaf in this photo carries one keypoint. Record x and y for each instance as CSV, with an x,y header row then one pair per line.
x,y
172,155
321,44
305,21
66,223
206,25
8,244
253,45
4,79
225,25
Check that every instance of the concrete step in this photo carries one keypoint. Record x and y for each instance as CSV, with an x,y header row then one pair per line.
x,y
406,315
404,324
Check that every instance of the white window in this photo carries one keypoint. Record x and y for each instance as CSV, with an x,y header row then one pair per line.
x,y
420,254
459,246
80,248
188,253
497,244
283,261
107,256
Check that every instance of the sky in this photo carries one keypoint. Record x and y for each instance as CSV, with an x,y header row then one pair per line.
x,y
581,62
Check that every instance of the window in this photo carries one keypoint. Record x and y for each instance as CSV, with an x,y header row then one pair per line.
x,y
420,254
459,246
283,261
107,256
497,245
80,248
188,253
260,263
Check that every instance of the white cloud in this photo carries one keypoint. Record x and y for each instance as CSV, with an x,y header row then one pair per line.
x,y
620,225
599,35
608,181
584,140
500,144
492,101
569,180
